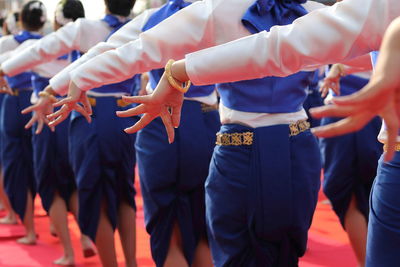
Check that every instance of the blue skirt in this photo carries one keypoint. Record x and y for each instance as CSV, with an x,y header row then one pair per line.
x,y
103,160
1,146
53,170
172,178
313,100
350,163
17,151
383,244
261,198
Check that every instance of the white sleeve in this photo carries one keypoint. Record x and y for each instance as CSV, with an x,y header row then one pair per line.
x,y
80,35
7,43
128,32
187,30
347,29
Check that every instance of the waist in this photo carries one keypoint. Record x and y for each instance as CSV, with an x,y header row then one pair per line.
x,y
242,136
18,91
255,120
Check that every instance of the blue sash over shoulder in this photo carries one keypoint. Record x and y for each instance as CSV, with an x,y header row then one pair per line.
x,y
23,80
269,94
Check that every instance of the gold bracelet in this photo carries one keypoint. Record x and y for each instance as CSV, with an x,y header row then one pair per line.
x,y
173,82
45,94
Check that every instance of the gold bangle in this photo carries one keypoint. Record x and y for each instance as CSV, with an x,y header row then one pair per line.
x,y
173,82
45,94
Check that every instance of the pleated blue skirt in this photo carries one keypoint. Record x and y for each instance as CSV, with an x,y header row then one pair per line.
x,y
17,151
172,178
261,198
103,160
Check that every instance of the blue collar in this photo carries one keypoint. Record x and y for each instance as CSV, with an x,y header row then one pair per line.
x,y
264,14
24,35
168,9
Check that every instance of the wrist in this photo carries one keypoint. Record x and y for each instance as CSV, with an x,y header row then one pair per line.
x,y
176,79
47,94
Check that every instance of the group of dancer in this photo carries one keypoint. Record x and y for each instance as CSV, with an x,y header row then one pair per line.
x,y
229,169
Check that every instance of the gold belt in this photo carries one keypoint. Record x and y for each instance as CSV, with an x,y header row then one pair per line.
x,y
208,108
246,138
396,147
120,102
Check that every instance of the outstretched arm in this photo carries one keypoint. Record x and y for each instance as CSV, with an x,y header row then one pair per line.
x,y
330,35
79,35
381,96
127,33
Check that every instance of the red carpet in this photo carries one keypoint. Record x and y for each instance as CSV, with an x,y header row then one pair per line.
x,y
328,244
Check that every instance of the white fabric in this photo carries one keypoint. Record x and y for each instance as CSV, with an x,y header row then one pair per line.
x,y
200,25
254,120
348,29
7,43
130,31
80,35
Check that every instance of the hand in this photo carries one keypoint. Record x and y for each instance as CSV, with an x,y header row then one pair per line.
x,y
43,107
165,102
71,102
376,98
332,80
381,96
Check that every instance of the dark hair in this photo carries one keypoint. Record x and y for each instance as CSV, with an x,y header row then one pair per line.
x,y
73,9
120,7
33,15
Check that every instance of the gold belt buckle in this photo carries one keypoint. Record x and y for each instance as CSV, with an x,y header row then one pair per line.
x,y
396,147
235,139
298,127
92,101
208,108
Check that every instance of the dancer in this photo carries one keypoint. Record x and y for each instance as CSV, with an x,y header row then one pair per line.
x,y
254,123
19,181
10,26
350,164
104,174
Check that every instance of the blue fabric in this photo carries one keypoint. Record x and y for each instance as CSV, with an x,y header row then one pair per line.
x,y
103,160
53,171
38,83
374,57
264,14
260,199
126,86
350,161
351,84
22,80
173,186
74,55
313,99
17,151
278,95
384,218
26,35
170,8
1,142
